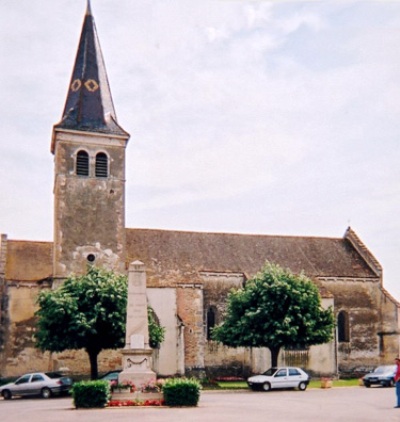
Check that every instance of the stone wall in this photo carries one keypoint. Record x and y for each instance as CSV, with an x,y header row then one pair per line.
x,y
373,317
373,323
19,354
90,210
190,311
221,360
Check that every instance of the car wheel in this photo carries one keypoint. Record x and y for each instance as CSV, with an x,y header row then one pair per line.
x,y
302,386
390,383
6,394
266,386
46,393
367,384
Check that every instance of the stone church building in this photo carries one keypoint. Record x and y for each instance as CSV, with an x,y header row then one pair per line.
x,y
189,274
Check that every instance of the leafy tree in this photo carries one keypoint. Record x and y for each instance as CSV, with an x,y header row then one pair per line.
x,y
156,332
275,309
86,312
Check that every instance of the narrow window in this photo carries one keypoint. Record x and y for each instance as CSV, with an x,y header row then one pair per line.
x,y
101,165
211,320
82,163
343,326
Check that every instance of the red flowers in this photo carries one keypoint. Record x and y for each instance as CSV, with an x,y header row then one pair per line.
x,y
125,403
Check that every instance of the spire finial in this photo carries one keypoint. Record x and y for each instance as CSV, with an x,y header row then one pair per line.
x,y
88,8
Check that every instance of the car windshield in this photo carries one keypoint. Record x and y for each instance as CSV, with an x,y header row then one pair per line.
x,y
382,369
111,375
270,372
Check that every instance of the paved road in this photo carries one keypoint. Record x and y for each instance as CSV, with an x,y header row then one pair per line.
x,y
354,404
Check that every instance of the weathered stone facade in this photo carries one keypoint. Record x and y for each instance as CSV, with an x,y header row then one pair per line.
x,y
90,222
186,309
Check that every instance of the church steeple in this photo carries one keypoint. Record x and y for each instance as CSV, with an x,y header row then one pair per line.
x,y
89,105
89,150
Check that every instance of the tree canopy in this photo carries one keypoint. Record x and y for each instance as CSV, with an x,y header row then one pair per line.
x,y
86,312
275,309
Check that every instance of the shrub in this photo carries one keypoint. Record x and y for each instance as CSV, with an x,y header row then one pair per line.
x,y
89,394
181,392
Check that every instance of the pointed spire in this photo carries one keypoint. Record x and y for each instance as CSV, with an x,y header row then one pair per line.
x,y
88,8
89,105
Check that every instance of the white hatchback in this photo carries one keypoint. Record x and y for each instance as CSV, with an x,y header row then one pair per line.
x,y
283,377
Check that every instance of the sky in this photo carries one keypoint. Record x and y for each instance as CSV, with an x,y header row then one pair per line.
x,y
264,117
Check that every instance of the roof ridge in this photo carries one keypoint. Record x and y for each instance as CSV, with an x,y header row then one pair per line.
x,y
360,247
234,233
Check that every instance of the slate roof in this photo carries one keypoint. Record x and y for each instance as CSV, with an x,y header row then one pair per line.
x,y
89,105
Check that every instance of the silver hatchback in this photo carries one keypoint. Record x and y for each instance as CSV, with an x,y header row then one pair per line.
x,y
283,377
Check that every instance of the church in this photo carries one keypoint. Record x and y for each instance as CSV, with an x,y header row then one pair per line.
x,y
189,274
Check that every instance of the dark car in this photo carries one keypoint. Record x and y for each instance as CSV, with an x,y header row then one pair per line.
x,y
111,376
382,375
37,384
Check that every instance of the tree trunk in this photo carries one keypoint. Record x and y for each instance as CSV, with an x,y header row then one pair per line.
x,y
93,363
274,356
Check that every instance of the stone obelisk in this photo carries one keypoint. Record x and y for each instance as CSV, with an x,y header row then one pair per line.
x,y
137,354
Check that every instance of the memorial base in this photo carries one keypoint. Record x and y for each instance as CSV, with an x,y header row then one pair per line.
x,y
137,365
136,396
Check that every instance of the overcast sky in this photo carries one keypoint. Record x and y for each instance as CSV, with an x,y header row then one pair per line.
x,y
267,117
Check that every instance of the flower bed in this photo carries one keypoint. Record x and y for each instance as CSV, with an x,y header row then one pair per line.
x,y
126,386
126,403
127,391
136,396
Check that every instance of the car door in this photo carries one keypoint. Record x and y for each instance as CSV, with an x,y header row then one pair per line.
x,y
294,377
280,378
36,384
21,386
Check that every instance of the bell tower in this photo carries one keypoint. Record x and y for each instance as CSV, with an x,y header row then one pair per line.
x,y
89,168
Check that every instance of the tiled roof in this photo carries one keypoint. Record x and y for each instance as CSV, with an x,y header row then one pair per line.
x,y
29,261
165,251
183,255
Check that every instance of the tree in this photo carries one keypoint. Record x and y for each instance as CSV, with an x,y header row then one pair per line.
x,y
87,312
275,309
156,332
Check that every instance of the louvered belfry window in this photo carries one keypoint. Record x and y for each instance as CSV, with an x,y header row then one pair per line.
x,y
82,163
101,165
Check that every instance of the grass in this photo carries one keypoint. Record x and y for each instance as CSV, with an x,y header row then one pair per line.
x,y
336,383
237,385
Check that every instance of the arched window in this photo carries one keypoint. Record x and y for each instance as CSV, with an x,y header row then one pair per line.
x,y
343,326
211,321
82,163
101,165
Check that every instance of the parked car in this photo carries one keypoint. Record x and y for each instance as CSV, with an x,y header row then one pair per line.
x,y
283,377
382,375
111,376
37,384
